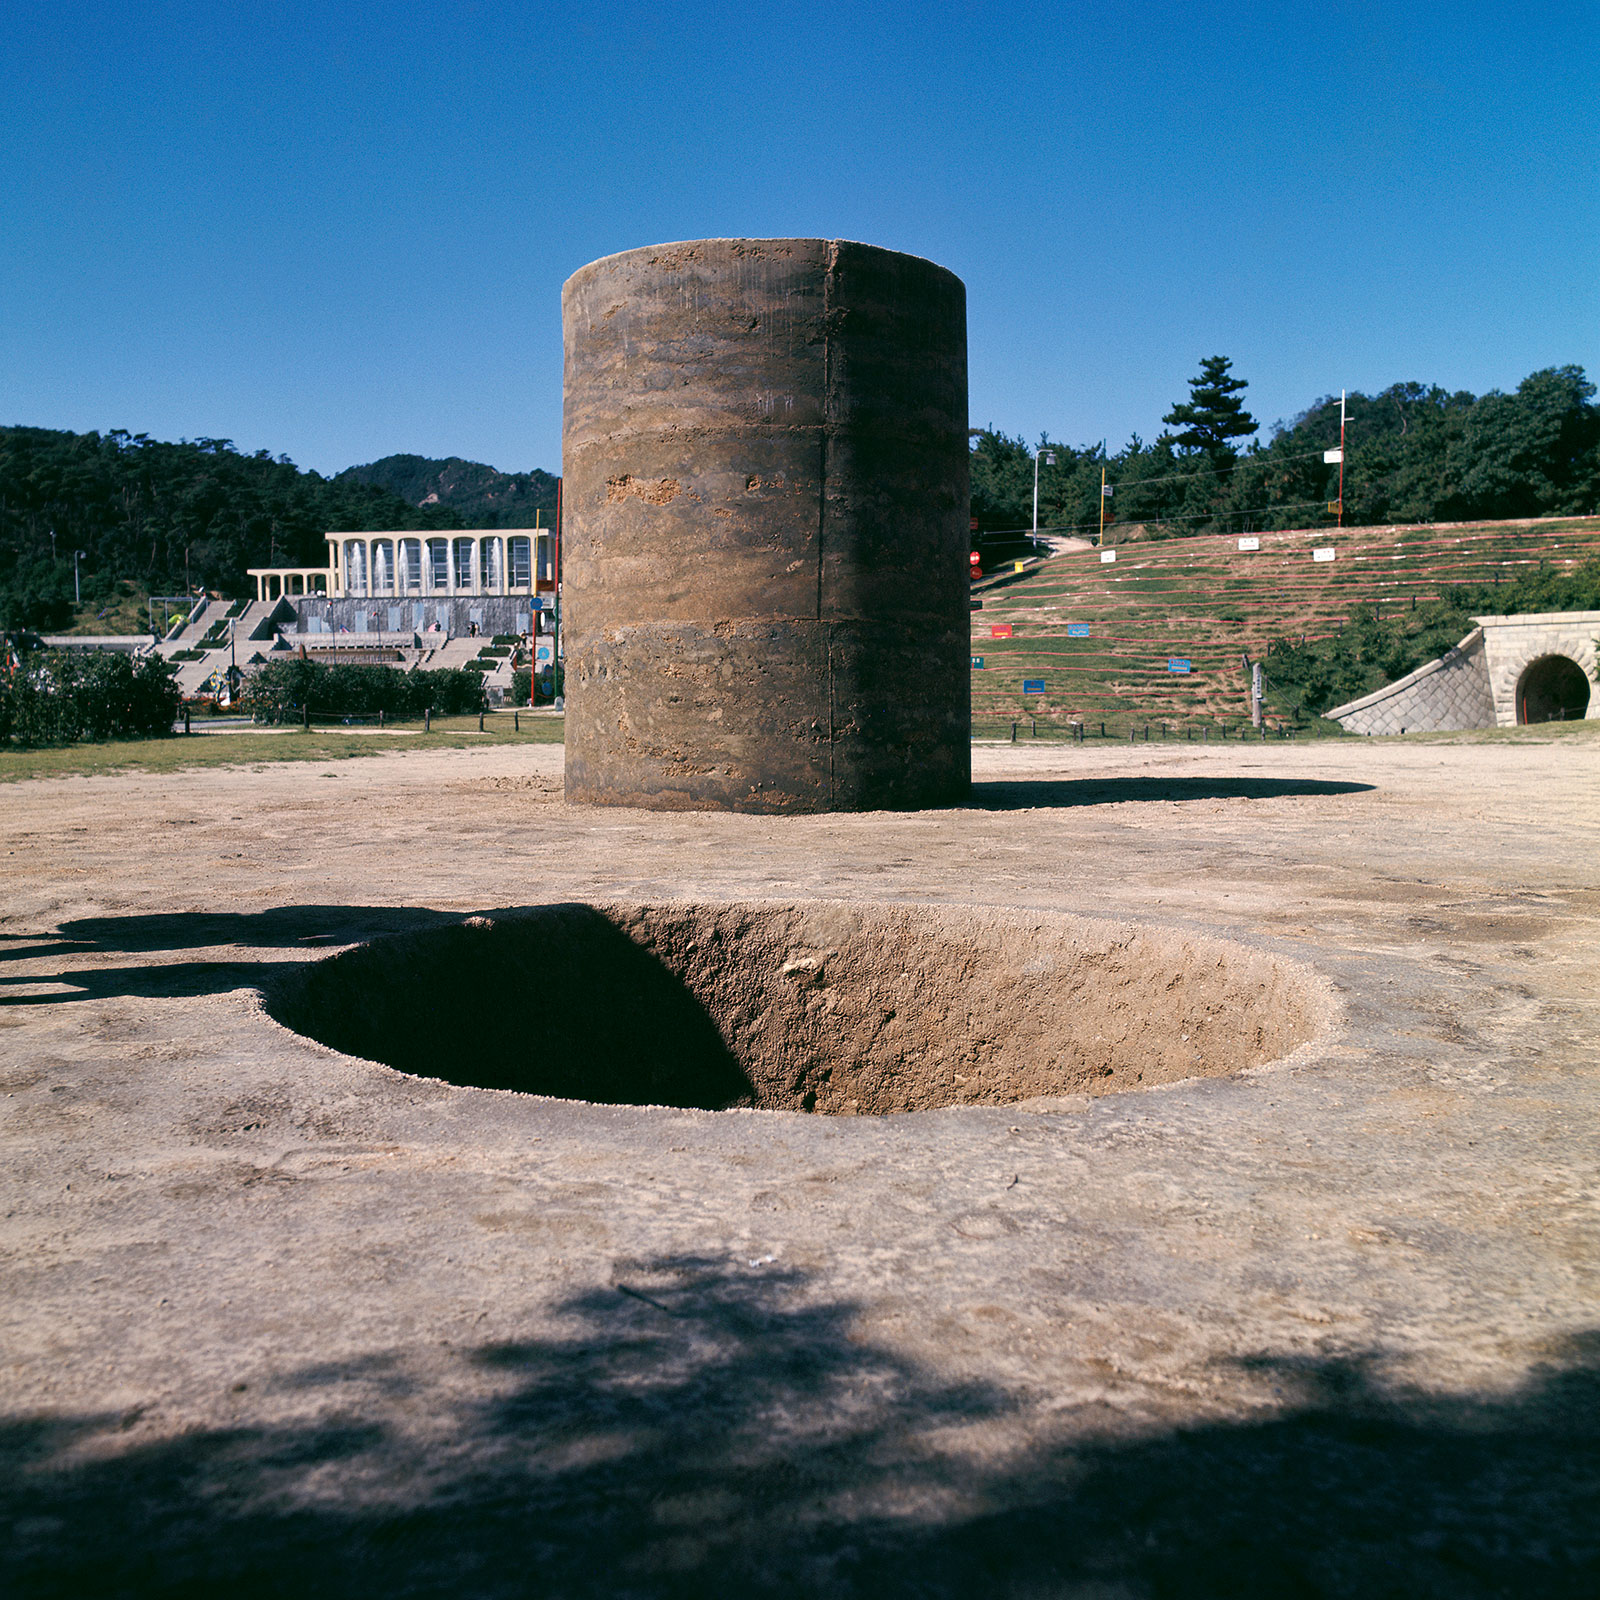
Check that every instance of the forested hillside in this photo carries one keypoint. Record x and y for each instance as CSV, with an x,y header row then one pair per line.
x,y
1414,453
166,516
482,496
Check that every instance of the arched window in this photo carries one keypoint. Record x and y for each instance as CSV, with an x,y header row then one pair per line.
x,y
439,564
355,567
411,564
383,566
490,563
463,564
519,562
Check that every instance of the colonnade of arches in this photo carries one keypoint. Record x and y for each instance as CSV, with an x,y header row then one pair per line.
x,y
445,564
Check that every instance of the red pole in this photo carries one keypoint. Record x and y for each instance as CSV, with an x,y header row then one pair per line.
x,y
1341,458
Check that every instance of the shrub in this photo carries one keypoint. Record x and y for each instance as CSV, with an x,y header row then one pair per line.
x,y
59,698
521,686
282,689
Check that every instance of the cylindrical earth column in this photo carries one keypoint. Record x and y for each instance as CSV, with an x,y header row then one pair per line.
x,y
765,516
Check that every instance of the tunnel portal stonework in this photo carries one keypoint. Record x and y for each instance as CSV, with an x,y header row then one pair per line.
x,y
765,515
1481,682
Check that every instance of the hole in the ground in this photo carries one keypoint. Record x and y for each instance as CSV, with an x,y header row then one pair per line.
x,y
822,1006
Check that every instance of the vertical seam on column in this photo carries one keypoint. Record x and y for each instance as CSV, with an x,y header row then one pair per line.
x,y
822,485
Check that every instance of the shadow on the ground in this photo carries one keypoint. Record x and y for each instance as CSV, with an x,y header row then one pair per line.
x,y
1025,794
285,928
615,1023
707,1429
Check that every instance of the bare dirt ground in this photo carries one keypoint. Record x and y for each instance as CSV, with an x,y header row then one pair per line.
x,y
281,1320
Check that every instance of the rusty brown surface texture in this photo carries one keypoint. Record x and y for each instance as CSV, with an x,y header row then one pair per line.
x,y
766,499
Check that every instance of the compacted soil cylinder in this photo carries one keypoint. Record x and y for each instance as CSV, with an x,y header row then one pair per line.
x,y
765,518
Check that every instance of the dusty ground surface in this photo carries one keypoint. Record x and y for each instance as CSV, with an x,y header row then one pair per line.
x,y
277,1319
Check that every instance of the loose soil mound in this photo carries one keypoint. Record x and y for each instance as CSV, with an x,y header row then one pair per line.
x,y
827,1006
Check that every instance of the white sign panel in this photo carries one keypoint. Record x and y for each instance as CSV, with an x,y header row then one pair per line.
x,y
1108,555
1249,544
1331,456
1327,553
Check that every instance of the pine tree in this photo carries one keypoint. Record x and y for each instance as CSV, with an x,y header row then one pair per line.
x,y
1213,414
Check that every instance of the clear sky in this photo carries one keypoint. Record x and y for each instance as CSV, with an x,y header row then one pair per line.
x,y
340,230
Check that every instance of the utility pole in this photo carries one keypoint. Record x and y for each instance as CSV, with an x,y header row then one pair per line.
x,y
1105,494
1257,686
1049,458
1330,456
1341,458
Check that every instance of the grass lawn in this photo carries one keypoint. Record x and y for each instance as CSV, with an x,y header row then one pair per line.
x,y
218,747
127,611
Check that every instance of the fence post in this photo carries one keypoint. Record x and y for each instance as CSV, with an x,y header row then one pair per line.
x,y
1034,729
516,722
380,716
1102,730
480,722
427,719
305,712
1013,733
186,728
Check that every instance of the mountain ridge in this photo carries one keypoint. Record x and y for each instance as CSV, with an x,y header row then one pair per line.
x,y
481,495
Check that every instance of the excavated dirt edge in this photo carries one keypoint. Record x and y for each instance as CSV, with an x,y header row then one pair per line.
x,y
837,1007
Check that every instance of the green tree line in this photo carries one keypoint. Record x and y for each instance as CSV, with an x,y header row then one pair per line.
x,y
171,517
1413,453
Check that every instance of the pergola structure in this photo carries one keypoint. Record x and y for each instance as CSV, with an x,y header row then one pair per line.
x,y
473,561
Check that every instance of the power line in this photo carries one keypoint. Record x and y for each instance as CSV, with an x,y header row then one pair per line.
x,y
1193,516
1170,477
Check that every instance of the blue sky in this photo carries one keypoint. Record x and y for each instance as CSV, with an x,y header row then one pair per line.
x,y
340,230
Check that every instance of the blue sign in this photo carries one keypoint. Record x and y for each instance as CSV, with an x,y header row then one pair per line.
x,y
977,661
1177,663
1033,685
1077,630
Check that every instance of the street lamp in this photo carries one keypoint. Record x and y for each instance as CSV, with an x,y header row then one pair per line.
x,y
77,593
1049,459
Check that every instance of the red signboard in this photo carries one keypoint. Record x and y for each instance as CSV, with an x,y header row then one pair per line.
x,y
999,630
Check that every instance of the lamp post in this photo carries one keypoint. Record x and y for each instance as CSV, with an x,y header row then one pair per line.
x,y
77,594
1049,459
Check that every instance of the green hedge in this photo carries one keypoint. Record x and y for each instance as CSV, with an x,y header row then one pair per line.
x,y
61,697
280,691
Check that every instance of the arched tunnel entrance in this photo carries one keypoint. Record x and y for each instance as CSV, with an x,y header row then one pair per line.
x,y
1552,689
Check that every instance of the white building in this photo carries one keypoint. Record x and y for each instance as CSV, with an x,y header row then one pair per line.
x,y
465,562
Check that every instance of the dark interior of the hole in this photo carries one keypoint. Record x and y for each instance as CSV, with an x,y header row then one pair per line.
x,y
1553,690
555,1002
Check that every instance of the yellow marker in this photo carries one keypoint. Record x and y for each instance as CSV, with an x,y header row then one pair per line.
x,y
1017,566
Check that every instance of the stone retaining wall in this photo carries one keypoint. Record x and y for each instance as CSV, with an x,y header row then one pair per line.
x,y
1474,685
1450,693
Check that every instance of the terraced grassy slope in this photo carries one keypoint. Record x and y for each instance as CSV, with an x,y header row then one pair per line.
x,y
1206,600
